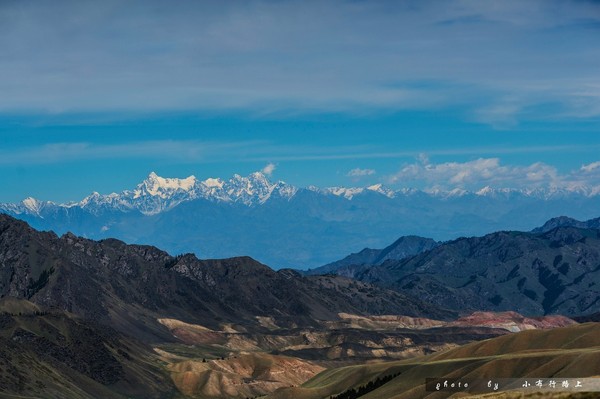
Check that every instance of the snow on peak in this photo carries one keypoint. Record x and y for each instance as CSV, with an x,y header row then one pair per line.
x,y
33,205
213,183
381,189
487,190
155,185
255,188
457,192
350,192
156,194
285,190
259,176
347,193
93,197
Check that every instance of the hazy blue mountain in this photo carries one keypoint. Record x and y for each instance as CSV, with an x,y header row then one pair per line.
x,y
402,248
565,221
286,226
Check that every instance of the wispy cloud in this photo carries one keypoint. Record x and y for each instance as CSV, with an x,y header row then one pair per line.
x,y
175,150
357,172
269,169
500,60
199,151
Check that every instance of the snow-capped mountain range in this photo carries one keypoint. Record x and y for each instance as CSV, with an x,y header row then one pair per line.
x,y
286,226
156,194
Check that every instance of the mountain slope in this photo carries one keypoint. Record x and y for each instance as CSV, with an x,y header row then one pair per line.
x,y
553,272
247,375
52,354
562,353
130,287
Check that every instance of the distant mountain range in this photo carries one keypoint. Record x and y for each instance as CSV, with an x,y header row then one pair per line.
x,y
402,248
553,269
287,226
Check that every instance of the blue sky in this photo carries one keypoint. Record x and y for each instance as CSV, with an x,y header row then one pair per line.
x,y
95,95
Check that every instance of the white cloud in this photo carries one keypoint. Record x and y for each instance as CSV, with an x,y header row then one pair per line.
x,y
269,169
594,166
478,173
357,172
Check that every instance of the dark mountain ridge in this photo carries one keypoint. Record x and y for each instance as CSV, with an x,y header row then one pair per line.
x,y
130,286
532,273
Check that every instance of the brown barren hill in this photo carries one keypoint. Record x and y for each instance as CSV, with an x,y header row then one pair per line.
x,y
567,352
245,375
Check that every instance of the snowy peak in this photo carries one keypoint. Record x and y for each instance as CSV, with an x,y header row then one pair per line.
x,y
156,194
347,193
155,185
33,205
284,190
96,202
213,183
351,192
491,192
256,189
381,189
93,198
487,190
